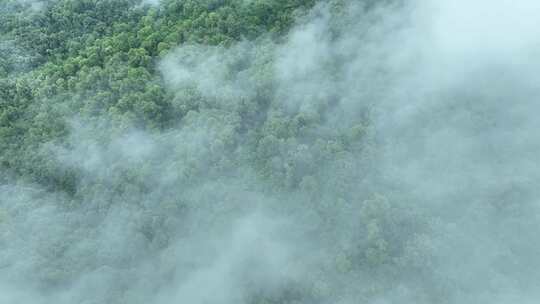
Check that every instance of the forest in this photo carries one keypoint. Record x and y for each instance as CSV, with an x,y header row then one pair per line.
x,y
269,151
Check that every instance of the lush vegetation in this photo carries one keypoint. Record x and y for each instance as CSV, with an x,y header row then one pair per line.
x,y
95,58
136,134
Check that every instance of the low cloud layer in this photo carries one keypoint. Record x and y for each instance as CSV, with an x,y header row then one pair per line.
x,y
380,154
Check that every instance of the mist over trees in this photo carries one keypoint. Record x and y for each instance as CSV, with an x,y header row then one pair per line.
x,y
269,151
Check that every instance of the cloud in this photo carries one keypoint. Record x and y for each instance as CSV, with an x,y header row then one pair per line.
x,y
379,153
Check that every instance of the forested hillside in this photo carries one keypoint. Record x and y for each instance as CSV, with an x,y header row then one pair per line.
x,y
269,151
97,59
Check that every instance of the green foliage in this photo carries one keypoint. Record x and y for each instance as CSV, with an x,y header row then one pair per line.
x,y
97,57
95,62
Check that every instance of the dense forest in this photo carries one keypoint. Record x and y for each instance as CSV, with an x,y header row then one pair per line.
x,y
269,151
